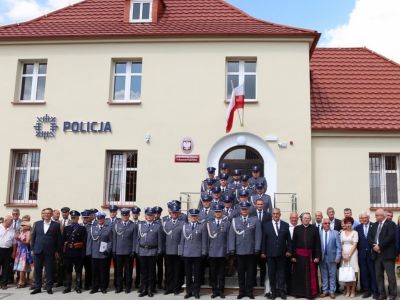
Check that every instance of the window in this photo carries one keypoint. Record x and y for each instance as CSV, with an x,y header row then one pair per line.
x,y
241,72
384,180
141,10
25,177
121,177
33,81
127,81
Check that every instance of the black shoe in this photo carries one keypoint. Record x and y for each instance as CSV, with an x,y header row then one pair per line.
x,y
251,296
188,296
366,295
268,295
93,291
127,291
36,291
283,296
196,295
78,290
67,290
168,292
150,294
221,295
117,291
49,291
240,296
104,291
214,295
142,294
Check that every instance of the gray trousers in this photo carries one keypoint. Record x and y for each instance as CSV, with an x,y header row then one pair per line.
x,y
388,266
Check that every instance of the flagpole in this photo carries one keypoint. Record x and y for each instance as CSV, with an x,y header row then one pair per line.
x,y
240,119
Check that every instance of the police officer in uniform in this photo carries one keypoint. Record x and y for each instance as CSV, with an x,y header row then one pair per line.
x,y
193,247
211,175
245,240
149,245
87,260
217,242
101,245
259,194
205,211
135,259
244,198
235,184
74,249
216,196
228,210
223,184
244,185
172,232
123,232
224,170
256,178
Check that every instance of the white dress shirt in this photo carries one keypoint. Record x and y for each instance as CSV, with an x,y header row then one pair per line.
x,y
6,236
46,226
291,228
279,226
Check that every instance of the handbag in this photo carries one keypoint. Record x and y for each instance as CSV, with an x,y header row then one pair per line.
x,y
347,273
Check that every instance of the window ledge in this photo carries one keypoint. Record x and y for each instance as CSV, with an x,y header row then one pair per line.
x,y
136,102
104,206
245,101
373,208
20,205
28,102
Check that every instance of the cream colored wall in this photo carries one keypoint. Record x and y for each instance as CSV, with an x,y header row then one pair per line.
x,y
341,170
183,89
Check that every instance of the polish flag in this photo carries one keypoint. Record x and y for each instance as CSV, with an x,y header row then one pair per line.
x,y
236,102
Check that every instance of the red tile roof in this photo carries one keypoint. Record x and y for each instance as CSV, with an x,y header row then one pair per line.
x,y
179,18
354,89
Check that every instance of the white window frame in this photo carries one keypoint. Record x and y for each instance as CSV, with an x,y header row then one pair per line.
x,y
141,20
123,178
35,76
382,176
128,75
241,74
28,169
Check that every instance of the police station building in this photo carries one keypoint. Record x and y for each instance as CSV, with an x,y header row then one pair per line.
x,y
124,102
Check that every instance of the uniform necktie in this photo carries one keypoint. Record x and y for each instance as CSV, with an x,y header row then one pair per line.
x,y
259,215
326,243
245,221
218,223
124,223
206,211
223,189
192,226
173,222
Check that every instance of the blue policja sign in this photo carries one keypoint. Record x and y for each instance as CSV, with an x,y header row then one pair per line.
x,y
46,127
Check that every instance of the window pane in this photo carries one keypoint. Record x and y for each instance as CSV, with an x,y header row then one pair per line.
x,y
233,66
136,67
130,189
120,68
390,163
41,83
236,154
250,86
136,11
136,82
26,88
231,79
375,188
42,68
391,188
250,66
28,69
22,160
19,184
114,185
146,11
119,88
35,159
374,163
131,160
34,184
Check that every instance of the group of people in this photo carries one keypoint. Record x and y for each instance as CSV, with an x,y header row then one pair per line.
x,y
234,229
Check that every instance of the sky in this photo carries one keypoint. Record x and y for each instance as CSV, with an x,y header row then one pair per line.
x,y
343,23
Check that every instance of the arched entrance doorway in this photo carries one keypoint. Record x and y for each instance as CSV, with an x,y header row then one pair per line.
x,y
243,158
255,150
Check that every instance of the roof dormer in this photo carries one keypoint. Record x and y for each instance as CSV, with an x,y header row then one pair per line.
x,y
144,11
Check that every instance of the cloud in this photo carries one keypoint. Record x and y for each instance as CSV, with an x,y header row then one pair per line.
x,y
374,24
13,11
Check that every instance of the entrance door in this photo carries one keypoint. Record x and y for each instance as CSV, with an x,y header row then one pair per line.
x,y
242,158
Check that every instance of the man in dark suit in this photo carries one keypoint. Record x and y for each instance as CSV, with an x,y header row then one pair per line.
x,y
264,217
382,239
276,247
367,268
336,224
46,244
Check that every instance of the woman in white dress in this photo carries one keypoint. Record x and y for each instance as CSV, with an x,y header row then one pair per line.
x,y
349,239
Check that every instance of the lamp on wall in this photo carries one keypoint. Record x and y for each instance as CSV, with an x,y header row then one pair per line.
x,y
241,140
147,138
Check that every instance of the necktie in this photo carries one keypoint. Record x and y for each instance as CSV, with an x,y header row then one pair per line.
x,y
365,230
378,232
192,226
259,215
15,225
218,223
223,189
206,211
319,227
173,222
245,221
277,228
124,223
326,243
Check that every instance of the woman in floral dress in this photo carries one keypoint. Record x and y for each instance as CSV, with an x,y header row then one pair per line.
x,y
22,262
